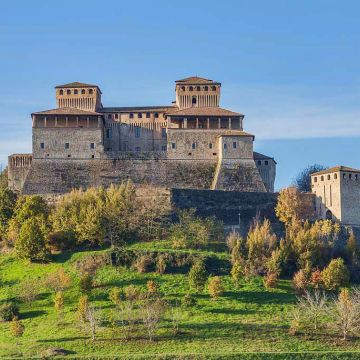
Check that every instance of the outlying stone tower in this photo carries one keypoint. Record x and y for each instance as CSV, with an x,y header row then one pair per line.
x,y
193,143
337,192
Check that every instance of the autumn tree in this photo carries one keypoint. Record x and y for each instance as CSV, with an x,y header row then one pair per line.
x,y
215,287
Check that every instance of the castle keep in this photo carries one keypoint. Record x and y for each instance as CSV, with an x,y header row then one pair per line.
x,y
191,144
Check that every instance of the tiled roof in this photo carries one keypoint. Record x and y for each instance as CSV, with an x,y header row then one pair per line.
x,y
235,133
75,84
196,80
66,111
204,111
336,169
136,108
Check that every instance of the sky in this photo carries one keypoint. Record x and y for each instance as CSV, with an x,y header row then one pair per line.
x,y
292,67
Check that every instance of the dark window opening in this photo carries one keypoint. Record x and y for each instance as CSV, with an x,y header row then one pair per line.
x,y
69,155
147,115
328,177
225,146
210,146
76,91
90,91
350,176
67,145
109,116
156,115
193,145
116,116
189,154
92,156
83,91
198,88
183,88
68,92
92,146
335,176
315,179
259,162
131,115
139,115
191,88
193,100
214,153
322,178
213,88
173,145
42,146
266,162
344,176
234,145
206,88
163,147
61,92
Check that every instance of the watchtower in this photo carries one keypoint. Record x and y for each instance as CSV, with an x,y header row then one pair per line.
x,y
197,92
78,95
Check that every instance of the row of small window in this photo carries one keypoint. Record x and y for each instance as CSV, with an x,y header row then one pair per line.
x,y
131,115
137,132
198,88
194,145
76,91
138,148
344,176
67,146
266,162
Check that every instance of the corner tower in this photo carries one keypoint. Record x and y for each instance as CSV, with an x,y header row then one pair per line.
x,y
197,92
78,95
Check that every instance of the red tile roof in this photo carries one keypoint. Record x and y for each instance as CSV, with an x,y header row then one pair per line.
x,y
66,111
196,80
75,85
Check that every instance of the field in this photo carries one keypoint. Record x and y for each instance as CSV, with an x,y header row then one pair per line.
x,y
249,323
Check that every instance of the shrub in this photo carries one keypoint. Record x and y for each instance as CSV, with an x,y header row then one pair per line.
x,y
232,239
62,240
59,301
115,295
237,273
188,301
197,276
335,275
58,280
143,263
132,293
30,243
29,290
86,283
151,287
8,311
83,308
17,328
270,280
215,287
316,279
300,281
91,263
161,263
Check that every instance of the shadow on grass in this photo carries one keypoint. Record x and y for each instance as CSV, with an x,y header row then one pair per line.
x,y
63,339
230,311
32,314
261,297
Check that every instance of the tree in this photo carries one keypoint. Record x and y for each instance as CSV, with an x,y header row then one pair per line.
x,y
335,275
152,311
312,306
345,312
59,302
300,281
58,280
303,179
29,290
197,276
3,178
7,206
292,206
30,243
215,287
237,273
115,295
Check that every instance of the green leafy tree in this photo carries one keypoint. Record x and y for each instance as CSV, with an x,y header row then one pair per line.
x,y
237,273
30,243
335,275
3,178
7,206
198,276
215,287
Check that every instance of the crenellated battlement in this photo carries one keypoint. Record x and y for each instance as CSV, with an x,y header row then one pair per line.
x,y
20,160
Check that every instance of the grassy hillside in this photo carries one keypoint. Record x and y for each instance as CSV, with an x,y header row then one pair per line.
x,y
249,320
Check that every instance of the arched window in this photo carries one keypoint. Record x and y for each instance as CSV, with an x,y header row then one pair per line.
x,y
75,91
68,92
183,88
206,88
213,88
156,115
198,88
191,88
90,91
83,91
61,92
193,100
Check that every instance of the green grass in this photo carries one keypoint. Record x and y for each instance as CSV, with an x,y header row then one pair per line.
x,y
249,323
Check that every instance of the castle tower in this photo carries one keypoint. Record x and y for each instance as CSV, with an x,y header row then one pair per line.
x,y
197,92
337,192
78,95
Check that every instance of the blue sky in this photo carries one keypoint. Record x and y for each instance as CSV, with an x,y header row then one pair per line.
x,y
292,67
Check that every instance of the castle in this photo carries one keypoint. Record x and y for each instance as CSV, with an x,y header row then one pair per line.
x,y
191,144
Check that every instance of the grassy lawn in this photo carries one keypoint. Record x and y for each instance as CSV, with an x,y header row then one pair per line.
x,y
249,320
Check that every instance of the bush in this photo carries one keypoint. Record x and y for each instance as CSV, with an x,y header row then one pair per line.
x,y
86,283
188,301
197,276
58,280
316,280
17,328
8,311
115,295
215,287
29,290
270,280
91,263
143,263
132,293
335,275
161,263
30,243
300,281
151,287
59,301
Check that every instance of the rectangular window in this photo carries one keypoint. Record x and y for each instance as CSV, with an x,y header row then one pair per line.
x,y
67,145
140,115
148,115
137,131
210,146
156,115
225,146
193,146
42,145
163,133
234,145
108,133
131,115
92,146
163,148
173,145
116,116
